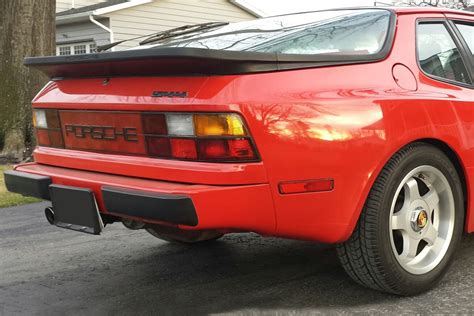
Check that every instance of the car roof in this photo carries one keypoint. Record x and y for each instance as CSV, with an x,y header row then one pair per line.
x,y
397,10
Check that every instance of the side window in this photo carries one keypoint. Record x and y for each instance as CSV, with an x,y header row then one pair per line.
x,y
438,54
467,31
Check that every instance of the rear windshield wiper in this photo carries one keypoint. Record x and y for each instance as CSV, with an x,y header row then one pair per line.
x,y
155,37
182,30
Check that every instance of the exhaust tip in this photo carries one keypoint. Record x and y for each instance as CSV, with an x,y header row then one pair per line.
x,y
133,225
49,213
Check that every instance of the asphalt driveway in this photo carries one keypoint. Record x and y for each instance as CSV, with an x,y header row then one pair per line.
x,y
48,270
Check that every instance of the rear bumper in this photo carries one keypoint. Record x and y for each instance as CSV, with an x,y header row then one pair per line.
x,y
152,168
28,184
192,206
176,209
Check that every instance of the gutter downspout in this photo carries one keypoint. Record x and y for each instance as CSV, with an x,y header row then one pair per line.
x,y
91,18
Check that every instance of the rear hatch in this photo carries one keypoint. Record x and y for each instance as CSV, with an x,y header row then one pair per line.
x,y
170,111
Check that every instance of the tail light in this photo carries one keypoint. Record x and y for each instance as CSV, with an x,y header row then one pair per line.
x,y
200,137
215,137
48,128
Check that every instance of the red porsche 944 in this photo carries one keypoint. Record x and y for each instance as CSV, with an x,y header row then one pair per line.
x,y
352,127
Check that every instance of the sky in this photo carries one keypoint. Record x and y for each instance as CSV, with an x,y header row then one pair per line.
x,y
275,7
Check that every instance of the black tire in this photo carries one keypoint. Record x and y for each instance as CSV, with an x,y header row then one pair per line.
x,y
368,257
176,235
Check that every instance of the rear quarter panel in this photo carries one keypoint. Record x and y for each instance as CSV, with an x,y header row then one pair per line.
x,y
345,123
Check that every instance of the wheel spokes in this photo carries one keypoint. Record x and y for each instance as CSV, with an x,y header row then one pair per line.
x,y
432,199
431,235
412,191
438,245
399,221
410,247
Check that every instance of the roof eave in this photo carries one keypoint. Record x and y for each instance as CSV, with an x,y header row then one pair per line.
x,y
246,6
121,6
73,18
84,16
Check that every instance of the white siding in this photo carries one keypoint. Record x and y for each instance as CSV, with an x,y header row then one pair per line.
x,y
161,15
63,5
77,32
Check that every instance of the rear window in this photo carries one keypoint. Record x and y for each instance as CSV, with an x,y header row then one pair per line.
x,y
467,31
438,54
344,32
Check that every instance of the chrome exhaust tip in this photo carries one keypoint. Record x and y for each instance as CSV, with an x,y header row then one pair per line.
x,y
49,213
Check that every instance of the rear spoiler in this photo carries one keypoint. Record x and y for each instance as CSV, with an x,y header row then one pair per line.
x,y
183,61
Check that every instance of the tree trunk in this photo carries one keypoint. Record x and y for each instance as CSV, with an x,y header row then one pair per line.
x,y
27,28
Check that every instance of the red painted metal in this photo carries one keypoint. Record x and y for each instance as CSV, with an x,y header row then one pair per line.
x,y
342,123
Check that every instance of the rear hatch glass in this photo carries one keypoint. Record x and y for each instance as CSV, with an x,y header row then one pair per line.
x,y
356,32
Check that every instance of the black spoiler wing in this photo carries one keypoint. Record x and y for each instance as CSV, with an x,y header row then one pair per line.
x,y
181,61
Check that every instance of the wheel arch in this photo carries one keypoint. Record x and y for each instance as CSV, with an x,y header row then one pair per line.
x,y
366,256
453,157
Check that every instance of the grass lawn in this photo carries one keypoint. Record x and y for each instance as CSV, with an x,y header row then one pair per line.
x,y
11,199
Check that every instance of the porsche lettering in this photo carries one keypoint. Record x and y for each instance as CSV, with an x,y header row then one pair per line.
x,y
101,132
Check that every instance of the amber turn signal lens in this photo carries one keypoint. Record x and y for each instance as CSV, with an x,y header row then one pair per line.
x,y
219,125
34,119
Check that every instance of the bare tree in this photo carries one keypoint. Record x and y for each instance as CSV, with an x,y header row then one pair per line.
x,y
454,4
27,28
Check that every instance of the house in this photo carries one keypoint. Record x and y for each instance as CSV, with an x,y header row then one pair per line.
x,y
82,25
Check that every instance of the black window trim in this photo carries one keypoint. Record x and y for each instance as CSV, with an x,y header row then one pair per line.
x,y
459,45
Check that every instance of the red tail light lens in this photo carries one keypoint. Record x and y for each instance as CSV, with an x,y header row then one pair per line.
x,y
241,149
42,137
56,139
211,149
183,148
159,147
52,119
155,124
228,149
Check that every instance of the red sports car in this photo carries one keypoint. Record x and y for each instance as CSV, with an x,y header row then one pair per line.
x,y
353,127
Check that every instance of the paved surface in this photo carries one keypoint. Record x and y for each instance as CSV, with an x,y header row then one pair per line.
x,y
47,270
